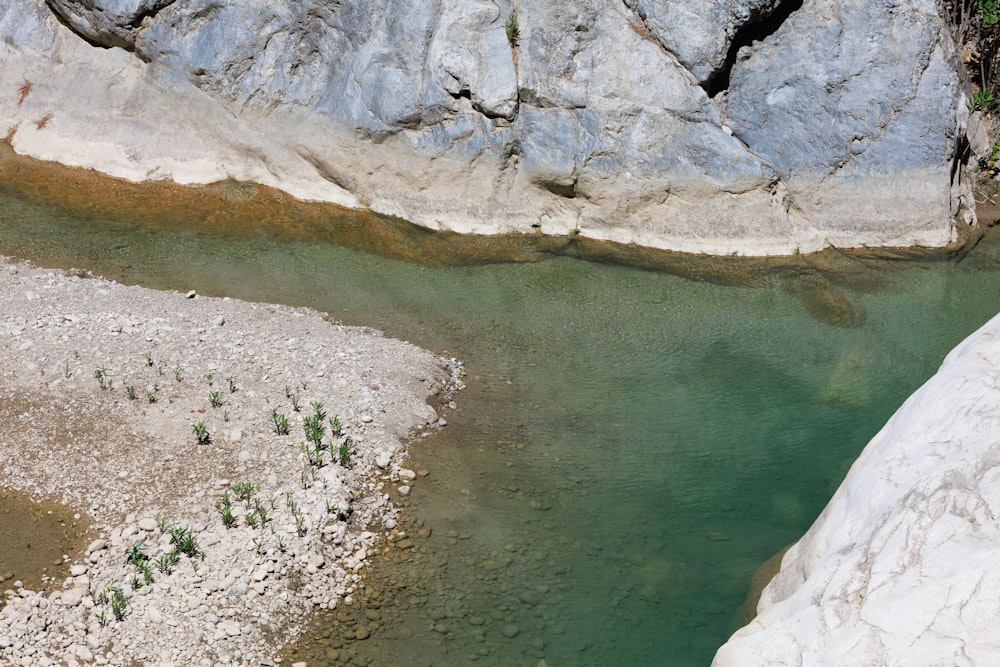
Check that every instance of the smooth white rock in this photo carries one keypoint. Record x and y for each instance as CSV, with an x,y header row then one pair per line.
x,y
901,566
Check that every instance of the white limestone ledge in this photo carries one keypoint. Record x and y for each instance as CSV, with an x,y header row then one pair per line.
x,y
903,565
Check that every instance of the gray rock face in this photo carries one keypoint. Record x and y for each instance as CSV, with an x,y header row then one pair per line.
x,y
721,126
107,22
699,32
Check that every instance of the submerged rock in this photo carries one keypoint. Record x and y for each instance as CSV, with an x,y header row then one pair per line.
x,y
899,569
718,126
828,304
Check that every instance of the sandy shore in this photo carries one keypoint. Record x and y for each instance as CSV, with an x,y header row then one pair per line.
x,y
105,389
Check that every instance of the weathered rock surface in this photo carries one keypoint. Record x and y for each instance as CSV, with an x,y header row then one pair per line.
x,y
900,568
720,126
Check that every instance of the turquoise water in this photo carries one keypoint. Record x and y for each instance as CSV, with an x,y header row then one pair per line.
x,y
631,447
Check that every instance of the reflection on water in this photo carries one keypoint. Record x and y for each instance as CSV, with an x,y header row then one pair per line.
x,y
632,444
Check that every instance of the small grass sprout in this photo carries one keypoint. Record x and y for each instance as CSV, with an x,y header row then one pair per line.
x,y
167,561
228,518
313,454
261,510
130,392
344,452
314,430
232,384
336,428
210,377
244,490
118,602
215,398
317,407
184,541
201,433
280,422
149,359
513,29
295,402
103,375
151,393
178,373
136,554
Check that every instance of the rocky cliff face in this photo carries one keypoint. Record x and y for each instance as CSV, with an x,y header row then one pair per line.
x,y
900,568
719,126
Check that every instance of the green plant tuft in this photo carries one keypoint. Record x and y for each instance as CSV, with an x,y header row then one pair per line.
x,y
513,29
201,433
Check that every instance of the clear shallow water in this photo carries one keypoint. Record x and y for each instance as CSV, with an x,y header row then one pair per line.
x,y
632,445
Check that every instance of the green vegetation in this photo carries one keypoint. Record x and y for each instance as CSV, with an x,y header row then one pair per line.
x,y
280,422
344,452
184,541
118,602
244,490
215,398
228,519
201,433
976,26
103,375
513,29
167,561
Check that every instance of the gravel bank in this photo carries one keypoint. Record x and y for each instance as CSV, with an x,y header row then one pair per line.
x,y
103,387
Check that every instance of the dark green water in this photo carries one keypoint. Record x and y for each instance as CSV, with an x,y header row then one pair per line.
x,y
632,446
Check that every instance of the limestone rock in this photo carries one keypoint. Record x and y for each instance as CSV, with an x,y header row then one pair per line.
x,y
719,126
899,569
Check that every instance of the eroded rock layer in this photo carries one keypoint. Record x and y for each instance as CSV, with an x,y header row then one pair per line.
x,y
718,126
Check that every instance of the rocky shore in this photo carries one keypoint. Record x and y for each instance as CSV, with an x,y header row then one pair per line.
x,y
899,569
237,463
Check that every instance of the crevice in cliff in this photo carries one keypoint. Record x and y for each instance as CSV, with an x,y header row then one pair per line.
x,y
756,29
120,32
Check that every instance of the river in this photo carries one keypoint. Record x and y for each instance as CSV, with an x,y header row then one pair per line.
x,y
632,444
